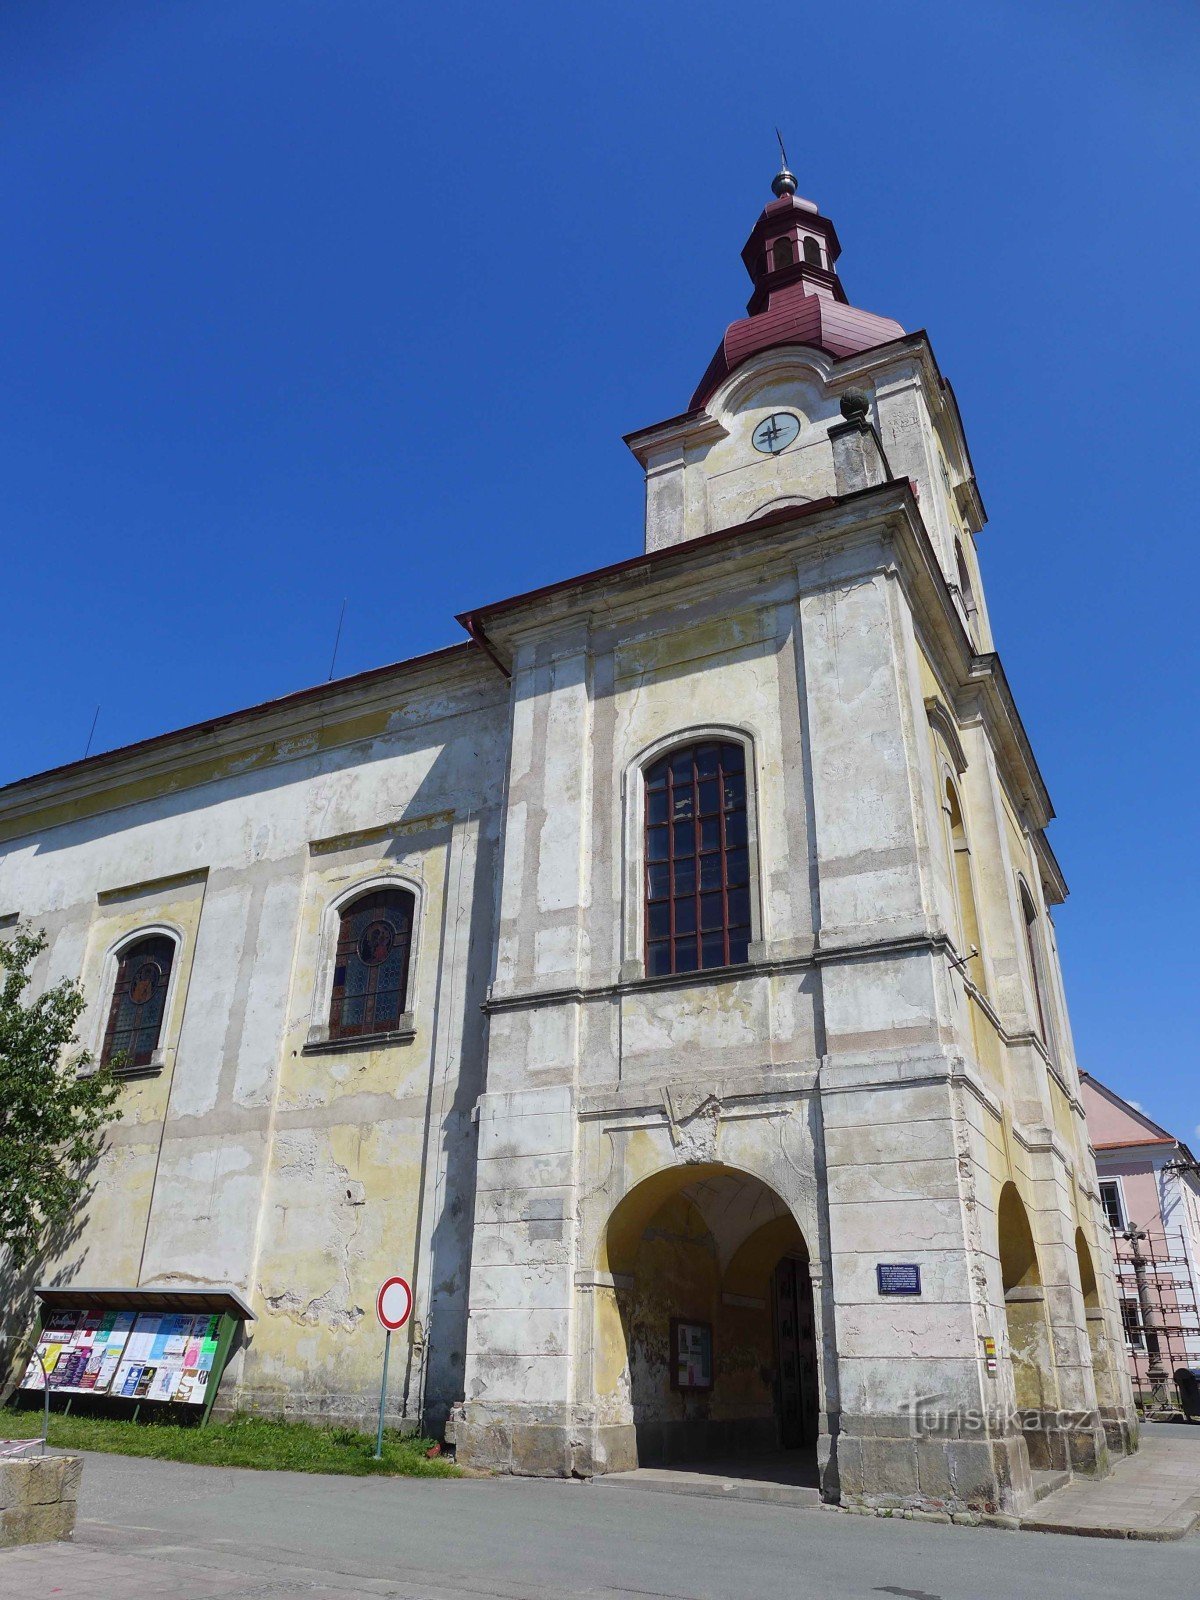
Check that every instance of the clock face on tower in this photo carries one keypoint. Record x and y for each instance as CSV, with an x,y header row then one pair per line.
x,y
775,433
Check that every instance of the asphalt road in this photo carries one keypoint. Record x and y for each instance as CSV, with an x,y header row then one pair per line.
x,y
150,1529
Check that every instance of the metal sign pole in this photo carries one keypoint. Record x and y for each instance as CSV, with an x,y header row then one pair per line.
x,y
387,1350
45,1401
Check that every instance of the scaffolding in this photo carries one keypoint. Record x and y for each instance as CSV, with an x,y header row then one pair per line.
x,y
1160,1312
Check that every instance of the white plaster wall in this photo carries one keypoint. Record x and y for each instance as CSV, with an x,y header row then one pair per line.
x,y
185,1192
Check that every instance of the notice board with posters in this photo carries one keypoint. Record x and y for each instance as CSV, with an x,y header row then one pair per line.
x,y
116,1345
692,1355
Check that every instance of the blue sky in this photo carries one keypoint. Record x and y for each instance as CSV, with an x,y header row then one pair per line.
x,y
353,299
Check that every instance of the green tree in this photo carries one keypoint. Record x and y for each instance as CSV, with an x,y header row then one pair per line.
x,y
53,1107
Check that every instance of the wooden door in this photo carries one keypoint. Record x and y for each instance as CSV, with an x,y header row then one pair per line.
x,y
796,1347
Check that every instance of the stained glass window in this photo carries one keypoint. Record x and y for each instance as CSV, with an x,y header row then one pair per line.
x,y
370,975
697,860
139,1001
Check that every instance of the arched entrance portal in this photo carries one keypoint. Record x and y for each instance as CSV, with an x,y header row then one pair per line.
x,y
709,1340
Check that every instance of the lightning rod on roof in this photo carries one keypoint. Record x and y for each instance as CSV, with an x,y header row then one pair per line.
x,y
784,181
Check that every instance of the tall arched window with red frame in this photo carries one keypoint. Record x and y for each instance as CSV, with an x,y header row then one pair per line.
x,y
139,1003
697,859
370,974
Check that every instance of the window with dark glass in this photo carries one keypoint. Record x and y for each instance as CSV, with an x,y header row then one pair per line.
x,y
812,251
697,859
1110,1196
964,579
139,1001
370,975
1131,1321
782,253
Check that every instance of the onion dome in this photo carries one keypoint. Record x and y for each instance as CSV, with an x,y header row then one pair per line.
x,y
798,297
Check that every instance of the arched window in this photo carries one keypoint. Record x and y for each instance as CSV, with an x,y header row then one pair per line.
x,y
812,251
782,254
697,859
370,974
1029,916
964,580
139,1002
964,888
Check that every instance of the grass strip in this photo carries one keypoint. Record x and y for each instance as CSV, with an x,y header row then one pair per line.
x,y
244,1441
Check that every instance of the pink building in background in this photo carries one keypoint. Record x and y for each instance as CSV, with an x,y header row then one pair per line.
x,y
1150,1186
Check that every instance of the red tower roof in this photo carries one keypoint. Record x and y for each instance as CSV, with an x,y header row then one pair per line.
x,y
798,297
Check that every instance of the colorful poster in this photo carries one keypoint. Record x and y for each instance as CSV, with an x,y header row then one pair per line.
x,y
162,1386
125,1382
91,1372
693,1355
176,1333
34,1377
114,1330
141,1341
189,1389
108,1368
208,1345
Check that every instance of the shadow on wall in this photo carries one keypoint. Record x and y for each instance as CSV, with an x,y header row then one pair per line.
x,y
18,1303
451,1133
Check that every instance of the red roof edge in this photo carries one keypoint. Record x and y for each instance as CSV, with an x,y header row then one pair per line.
x,y
213,724
649,558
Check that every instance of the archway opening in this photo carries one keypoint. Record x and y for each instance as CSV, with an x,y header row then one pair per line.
x,y
1029,1346
711,1332
1102,1372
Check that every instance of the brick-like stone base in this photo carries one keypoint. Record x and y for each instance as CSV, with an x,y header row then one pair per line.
x,y
1120,1430
357,1411
882,1465
1081,1449
531,1441
539,1442
38,1497
549,1442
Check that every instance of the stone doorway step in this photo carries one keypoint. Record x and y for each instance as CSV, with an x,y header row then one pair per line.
x,y
786,1479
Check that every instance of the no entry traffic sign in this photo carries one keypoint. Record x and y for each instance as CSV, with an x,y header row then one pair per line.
x,y
393,1304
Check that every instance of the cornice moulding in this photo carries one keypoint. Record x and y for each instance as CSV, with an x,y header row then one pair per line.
x,y
292,724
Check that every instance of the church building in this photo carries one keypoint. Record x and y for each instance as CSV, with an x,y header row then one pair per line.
x,y
662,979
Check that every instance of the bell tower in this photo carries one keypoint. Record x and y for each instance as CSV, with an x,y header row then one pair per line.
x,y
808,397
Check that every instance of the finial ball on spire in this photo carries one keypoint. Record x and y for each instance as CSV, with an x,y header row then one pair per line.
x,y
784,182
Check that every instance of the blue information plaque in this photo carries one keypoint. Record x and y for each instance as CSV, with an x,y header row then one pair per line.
x,y
898,1277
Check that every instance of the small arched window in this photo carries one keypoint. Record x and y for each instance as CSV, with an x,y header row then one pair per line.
x,y
782,254
697,859
1030,917
139,1003
964,889
964,579
370,974
812,251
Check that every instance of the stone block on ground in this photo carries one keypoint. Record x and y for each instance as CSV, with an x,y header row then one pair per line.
x,y
38,1499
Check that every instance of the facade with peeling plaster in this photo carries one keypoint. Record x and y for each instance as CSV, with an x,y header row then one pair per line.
x,y
731,1002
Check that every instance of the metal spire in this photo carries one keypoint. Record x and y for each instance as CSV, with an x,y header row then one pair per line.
x,y
784,181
